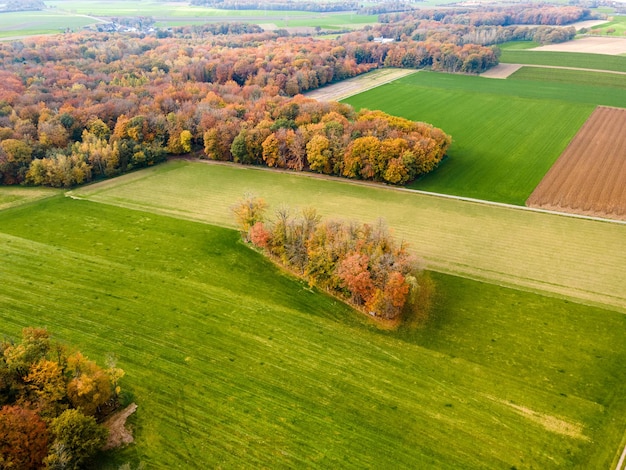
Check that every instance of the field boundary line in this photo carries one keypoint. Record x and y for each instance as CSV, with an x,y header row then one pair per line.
x,y
575,68
621,459
383,186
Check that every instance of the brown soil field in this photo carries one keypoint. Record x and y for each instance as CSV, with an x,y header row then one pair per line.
x,y
501,71
589,178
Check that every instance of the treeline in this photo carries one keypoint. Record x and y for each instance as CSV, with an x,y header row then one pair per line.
x,y
360,263
484,26
51,401
496,16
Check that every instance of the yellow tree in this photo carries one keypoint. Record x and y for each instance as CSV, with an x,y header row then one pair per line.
x,y
90,386
248,211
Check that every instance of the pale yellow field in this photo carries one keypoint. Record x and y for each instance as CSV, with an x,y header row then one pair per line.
x,y
11,196
581,259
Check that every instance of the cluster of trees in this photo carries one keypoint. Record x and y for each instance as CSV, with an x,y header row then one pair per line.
x,y
329,138
360,263
50,401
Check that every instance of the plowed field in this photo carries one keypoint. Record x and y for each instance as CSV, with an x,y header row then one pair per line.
x,y
589,178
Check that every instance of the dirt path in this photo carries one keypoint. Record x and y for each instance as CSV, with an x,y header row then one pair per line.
x,y
116,424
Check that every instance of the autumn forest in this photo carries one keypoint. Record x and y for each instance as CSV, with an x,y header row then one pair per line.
x,y
84,106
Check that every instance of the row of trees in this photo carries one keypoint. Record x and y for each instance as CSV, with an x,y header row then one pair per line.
x,y
360,263
496,15
50,401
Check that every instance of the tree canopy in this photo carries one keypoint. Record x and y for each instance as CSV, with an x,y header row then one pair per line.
x,y
51,401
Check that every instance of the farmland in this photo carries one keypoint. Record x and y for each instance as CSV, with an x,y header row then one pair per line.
x,y
573,77
565,59
510,127
241,365
175,14
233,362
515,123
502,245
40,22
589,178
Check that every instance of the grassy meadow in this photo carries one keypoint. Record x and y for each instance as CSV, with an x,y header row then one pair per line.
x,y
578,259
16,196
234,364
570,77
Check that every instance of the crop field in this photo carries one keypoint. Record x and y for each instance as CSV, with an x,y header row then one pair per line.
x,y
505,134
40,22
234,364
590,177
154,8
565,59
572,77
509,246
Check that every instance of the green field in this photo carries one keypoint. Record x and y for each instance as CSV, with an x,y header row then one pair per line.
x,y
506,133
28,23
564,59
504,245
16,196
235,365
571,77
505,136
617,24
173,14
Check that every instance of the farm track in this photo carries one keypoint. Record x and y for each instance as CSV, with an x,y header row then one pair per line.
x,y
564,256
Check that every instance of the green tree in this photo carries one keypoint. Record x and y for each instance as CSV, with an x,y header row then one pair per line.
x,y
76,439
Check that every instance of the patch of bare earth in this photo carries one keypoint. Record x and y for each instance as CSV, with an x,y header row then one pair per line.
x,y
501,71
353,86
550,423
593,44
119,435
589,178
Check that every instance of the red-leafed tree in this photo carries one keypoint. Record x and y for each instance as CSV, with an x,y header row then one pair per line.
x,y
23,438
